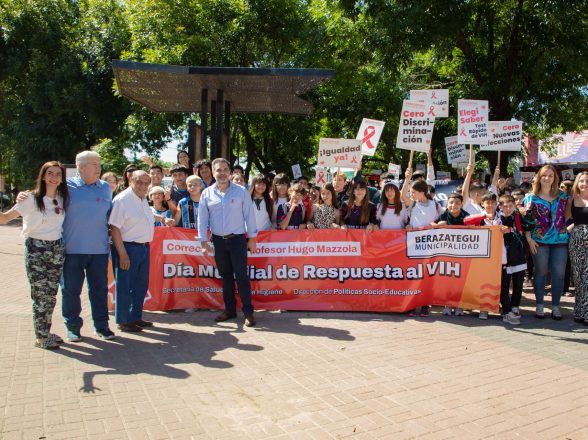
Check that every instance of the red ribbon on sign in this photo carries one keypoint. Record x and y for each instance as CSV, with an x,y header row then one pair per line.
x,y
368,133
462,132
321,178
431,111
433,95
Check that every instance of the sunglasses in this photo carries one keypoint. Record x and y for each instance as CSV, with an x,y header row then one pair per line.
x,y
58,210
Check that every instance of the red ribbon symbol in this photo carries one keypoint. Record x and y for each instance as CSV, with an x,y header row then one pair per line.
x,y
321,177
368,133
433,95
431,111
462,132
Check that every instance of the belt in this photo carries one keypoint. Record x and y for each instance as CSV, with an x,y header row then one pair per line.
x,y
135,243
228,236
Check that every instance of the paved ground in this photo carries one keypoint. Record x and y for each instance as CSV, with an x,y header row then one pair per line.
x,y
296,375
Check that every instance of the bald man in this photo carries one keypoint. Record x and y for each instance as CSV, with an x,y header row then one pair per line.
x,y
131,226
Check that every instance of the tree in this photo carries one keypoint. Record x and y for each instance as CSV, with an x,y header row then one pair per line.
x,y
56,78
529,59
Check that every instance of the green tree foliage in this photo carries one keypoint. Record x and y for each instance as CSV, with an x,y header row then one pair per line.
x,y
56,77
528,58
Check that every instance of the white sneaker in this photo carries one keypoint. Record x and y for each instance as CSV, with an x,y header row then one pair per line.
x,y
556,313
483,315
515,311
539,311
459,312
511,318
446,311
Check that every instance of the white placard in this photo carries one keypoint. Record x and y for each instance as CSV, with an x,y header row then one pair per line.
x,y
527,176
296,171
416,129
395,169
472,122
436,100
321,176
443,175
504,136
369,133
340,153
456,152
567,174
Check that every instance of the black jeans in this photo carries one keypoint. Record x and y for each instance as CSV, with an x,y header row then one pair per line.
x,y
231,260
506,301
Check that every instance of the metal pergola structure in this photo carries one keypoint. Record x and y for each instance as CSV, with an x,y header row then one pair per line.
x,y
219,91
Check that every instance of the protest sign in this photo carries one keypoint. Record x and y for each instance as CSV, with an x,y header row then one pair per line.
x,y
504,136
456,152
436,101
567,174
443,175
321,176
527,176
296,172
416,129
395,169
472,122
340,153
369,133
381,271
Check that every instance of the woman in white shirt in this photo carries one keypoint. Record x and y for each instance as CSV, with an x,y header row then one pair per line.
x,y
391,212
43,215
422,209
262,202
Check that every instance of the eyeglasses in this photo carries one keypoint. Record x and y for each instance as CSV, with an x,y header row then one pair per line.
x,y
58,210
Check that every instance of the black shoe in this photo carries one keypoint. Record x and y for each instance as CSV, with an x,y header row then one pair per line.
x,y
142,323
250,321
130,328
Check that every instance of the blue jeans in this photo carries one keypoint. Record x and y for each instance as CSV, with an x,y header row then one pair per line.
x,y
550,259
231,260
93,267
131,284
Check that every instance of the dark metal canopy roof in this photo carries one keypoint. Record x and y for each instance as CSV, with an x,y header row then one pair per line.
x,y
174,89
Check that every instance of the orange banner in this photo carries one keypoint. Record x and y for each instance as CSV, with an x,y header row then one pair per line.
x,y
381,271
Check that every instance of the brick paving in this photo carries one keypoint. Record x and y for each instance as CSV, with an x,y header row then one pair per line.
x,y
297,375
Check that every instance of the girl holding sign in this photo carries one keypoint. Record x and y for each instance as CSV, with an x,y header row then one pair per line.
x,y
548,242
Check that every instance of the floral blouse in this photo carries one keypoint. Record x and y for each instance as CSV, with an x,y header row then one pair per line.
x,y
550,227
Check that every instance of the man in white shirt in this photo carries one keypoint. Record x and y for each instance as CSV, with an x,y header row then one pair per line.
x,y
131,227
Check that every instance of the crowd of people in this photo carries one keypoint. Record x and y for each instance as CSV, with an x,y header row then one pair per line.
x,y
73,226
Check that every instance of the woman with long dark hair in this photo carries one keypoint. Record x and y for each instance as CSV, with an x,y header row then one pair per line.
x,y
43,215
260,194
358,212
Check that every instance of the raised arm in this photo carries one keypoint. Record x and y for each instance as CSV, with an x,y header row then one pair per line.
x,y
405,185
468,178
430,168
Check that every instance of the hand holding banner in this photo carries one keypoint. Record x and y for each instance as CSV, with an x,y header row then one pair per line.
x,y
341,153
369,133
472,122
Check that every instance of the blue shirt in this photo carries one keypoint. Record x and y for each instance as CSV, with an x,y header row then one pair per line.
x,y
85,229
228,213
